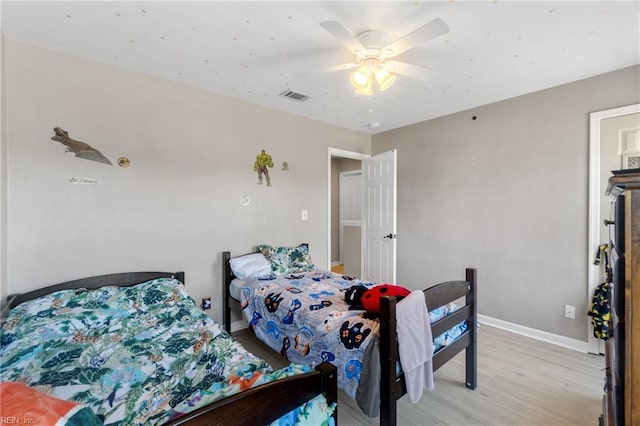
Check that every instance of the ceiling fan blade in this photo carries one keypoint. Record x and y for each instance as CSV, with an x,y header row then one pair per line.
x,y
409,70
337,30
421,35
342,67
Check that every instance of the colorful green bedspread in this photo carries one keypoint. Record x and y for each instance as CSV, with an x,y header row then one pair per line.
x,y
136,355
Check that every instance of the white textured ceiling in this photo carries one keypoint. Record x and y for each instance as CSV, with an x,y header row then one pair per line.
x,y
253,51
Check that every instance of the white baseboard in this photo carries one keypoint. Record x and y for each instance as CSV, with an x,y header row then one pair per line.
x,y
565,342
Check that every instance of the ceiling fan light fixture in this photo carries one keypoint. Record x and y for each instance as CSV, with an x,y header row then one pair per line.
x,y
366,89
373,48
360,77
384,78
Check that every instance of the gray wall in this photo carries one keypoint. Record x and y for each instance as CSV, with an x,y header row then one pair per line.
x,y
352,251
506,193
177,207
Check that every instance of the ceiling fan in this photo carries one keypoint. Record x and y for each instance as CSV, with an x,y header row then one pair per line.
x,y
373,52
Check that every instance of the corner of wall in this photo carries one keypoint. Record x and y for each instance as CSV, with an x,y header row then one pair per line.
x,y
3,171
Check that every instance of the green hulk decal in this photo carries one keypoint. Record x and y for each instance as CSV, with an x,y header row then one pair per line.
x,y
263,161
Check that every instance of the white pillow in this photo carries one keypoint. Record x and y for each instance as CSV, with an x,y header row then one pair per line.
x,y
253,265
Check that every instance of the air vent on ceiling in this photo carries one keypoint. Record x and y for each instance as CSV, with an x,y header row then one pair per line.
x,y
294,95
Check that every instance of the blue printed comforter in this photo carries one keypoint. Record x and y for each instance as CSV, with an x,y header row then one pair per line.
x,y
305,318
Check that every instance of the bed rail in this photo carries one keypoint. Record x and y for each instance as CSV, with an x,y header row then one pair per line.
x,y
227,300
258,403
392,385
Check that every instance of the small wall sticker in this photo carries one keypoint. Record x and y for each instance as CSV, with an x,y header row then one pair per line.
x,y
84,181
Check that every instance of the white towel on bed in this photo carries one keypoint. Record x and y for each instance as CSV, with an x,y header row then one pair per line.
x,y
415,344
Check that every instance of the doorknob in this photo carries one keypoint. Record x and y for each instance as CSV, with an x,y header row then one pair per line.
x,y
390,236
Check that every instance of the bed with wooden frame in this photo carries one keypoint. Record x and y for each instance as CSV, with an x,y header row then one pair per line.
x,y
266,402
392,384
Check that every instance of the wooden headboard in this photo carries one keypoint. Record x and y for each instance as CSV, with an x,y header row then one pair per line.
x,y
125,279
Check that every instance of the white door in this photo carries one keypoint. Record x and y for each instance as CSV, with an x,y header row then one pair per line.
x,y
379,218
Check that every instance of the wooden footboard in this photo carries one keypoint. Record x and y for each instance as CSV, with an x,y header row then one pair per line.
x,y
268,402
392,385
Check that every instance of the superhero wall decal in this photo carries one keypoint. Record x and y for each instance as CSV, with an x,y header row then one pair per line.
x,y
263,163
261,166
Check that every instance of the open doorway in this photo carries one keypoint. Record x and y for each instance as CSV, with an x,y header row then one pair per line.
x,y
344,244
613,135
346,217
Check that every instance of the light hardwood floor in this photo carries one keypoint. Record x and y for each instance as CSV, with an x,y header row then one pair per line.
x,y
521,382
338,269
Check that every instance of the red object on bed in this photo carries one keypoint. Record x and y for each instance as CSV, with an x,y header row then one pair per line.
x,y
371,298
26,405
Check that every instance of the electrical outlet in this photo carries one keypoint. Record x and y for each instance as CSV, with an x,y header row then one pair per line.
x,y
206,303
569,311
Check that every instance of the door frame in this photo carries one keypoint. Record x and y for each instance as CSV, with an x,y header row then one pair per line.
x,y
593,273
337,153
